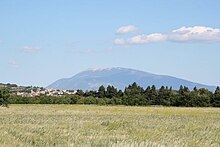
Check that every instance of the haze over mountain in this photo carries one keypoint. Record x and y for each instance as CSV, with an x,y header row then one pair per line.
x,y
120,78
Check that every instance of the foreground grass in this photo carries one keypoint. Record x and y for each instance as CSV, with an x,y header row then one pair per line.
x,y
85,125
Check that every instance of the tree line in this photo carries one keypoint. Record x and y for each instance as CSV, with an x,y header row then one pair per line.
x,y
133,95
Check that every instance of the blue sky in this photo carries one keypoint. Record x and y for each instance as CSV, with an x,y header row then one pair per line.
x,y
45,40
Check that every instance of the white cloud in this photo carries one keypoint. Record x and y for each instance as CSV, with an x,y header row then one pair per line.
x,y
30,49
156,37
196,33
183,34
13,63
127,29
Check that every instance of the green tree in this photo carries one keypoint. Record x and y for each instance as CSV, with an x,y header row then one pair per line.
x,y
134,95
120,93
4,95
90,93
216,97
200,97
164,96
147,95
74,99
101,92
161,95
111,92
183,97
79,92
153,95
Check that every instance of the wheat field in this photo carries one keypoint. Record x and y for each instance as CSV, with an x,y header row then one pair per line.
x,y
90,125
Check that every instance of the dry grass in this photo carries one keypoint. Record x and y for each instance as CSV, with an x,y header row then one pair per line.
x,y
84,125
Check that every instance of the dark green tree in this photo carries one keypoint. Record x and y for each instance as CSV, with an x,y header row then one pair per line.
x,y
147,95
79,92
200,97
134,95
133,90
153,95
164,96
111,92
216,98
4,95
183,97
90,93
195,88
161,95
101,92
120,93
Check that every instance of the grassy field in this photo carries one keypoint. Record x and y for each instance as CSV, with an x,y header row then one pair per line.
x,y
85,125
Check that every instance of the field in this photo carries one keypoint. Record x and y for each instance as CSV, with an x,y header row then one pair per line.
x,y
88,125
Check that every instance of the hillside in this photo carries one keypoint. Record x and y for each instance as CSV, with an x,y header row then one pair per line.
x,y
120,77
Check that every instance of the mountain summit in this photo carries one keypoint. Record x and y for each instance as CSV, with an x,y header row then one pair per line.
x,y
92,78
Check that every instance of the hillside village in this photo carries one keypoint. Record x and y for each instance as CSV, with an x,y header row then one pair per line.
x,y
32,91
47,92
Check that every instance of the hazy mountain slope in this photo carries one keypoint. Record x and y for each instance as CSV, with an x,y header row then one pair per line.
x,y
120,77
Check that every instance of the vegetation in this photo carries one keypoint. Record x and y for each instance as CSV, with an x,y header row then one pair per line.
x,y
216,98
84,125
133,95
4,95
92,125
15,88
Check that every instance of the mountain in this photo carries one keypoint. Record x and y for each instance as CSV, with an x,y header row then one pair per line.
x,y
120,77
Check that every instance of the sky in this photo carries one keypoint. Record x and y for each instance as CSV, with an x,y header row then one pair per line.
x,y
42,41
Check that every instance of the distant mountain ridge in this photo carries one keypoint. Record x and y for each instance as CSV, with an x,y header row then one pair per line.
x,y
119,77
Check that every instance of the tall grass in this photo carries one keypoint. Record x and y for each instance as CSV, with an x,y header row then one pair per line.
x,y
88,125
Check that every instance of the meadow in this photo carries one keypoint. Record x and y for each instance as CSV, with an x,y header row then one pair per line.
x,y
93,125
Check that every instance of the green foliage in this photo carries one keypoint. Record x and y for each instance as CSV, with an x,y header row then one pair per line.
x,y
216,98
4,95
90,94
111,92
153,95
200,98
101,91
164,96
80,93
133,95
